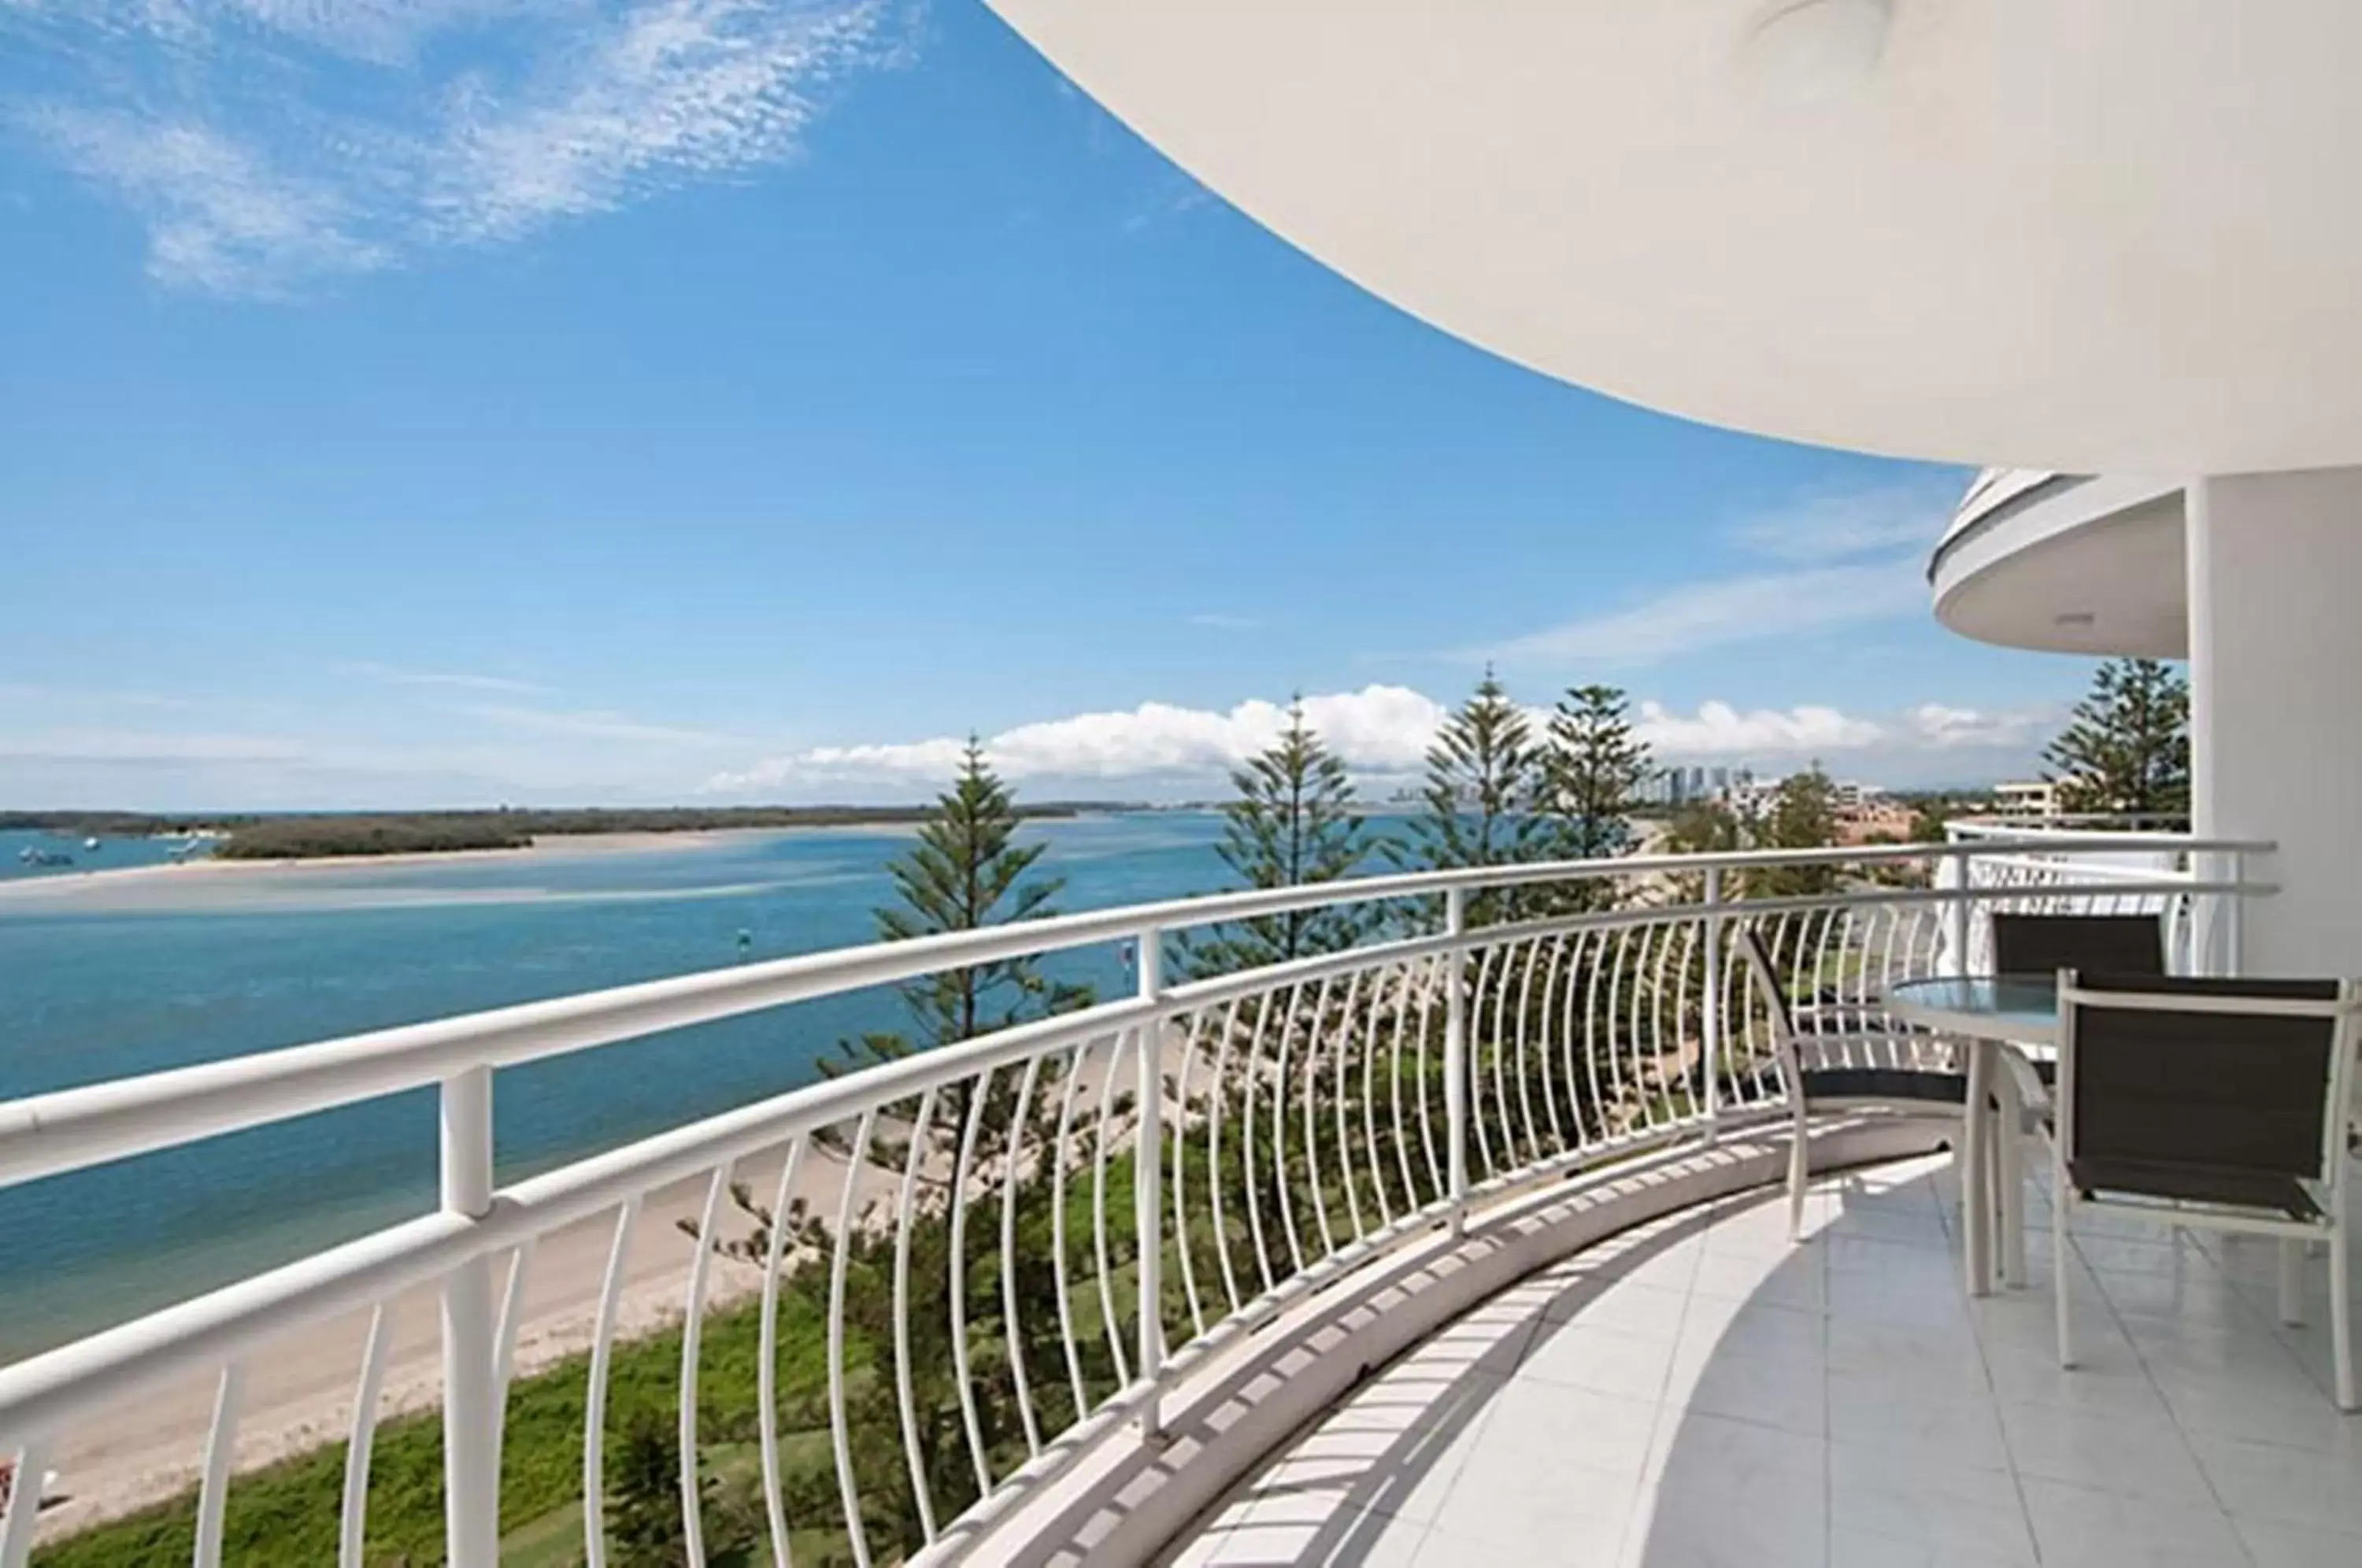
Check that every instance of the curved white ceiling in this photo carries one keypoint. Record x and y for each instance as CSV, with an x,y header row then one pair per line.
x,y
2096,235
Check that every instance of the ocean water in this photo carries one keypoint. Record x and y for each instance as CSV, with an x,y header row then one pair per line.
x,y
168,970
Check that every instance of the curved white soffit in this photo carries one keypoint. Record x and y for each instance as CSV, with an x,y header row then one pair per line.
x,y
2096,235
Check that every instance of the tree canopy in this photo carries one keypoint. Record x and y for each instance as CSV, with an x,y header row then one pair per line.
x,y
1292,821
2126,749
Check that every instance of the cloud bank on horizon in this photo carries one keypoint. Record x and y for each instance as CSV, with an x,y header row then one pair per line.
x,y
266,144
1382,733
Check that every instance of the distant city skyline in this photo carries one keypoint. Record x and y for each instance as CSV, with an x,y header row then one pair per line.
x,y
447,405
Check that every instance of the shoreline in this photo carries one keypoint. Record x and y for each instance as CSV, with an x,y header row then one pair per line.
x,y
549,847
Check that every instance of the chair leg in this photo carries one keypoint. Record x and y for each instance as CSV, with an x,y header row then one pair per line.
x,y
2341,1317
1799,1176
2292,1282
2063,1206
2010,1176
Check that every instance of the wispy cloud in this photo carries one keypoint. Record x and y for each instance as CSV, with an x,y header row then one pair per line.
x,y
1731,609
1219,622
1846,525
132,749
266,143
592,723
33,692
1836,558
393,674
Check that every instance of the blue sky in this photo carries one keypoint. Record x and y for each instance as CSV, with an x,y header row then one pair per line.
x,y
462,400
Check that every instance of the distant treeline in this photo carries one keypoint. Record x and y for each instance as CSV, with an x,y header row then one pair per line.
x,y
248,837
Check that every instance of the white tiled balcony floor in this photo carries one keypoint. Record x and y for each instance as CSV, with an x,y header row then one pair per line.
x,y
1699,1392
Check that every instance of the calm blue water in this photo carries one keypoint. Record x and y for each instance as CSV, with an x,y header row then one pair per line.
x,y
177,971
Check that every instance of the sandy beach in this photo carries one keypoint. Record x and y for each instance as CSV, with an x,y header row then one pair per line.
x,y
340,880
300,1391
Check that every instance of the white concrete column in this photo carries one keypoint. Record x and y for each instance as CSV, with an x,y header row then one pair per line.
x,y
2274,567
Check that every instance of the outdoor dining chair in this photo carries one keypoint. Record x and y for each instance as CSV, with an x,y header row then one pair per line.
x,y
2210,1104
1877,1070
2097,944
2045,945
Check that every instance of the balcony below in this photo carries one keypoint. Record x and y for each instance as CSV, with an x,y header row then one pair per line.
x,y
1698,1391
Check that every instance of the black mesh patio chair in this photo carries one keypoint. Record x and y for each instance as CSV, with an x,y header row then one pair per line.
x,y
2045,945
2214,1104
1866,1064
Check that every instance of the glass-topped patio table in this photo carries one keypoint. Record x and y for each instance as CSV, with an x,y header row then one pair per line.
x,y
2019,1008
1993,1013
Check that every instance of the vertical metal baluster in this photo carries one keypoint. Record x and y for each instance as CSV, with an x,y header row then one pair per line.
x,y
1010,1159
1649,1021
692,1325
594,1409
221,1447
1591,951
1337,1099
1058,1232
970,1422
1710,1014
1456,1058
1249,1196
1148,1148
1099,1214
504,1340
24,1515
767,1375
471,1478
923,1123
1180,1182
1533,946
1616,966
1378,987
1279,1130
1553,1049
352,1526
1214,1183
1437,1182
1681,988
1637,1040
1474,1039
1311,1133
848,1489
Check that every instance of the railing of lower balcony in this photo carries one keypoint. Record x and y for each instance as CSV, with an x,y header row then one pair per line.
x,y
993,1256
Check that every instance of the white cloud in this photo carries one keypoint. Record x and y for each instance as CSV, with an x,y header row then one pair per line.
x,y
1719,729
1377,729
268,142
595,723
393,674
1948,728
1382,733
1708,614
1219,622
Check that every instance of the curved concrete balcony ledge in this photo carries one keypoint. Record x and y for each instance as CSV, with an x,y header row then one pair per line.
x,y
1641,1371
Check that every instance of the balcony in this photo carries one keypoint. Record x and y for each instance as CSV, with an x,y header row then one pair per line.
x,y
2070,563
1326,1258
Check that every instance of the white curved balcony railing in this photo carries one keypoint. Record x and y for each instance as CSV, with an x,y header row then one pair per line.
x,y
1152,1177
2024,870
